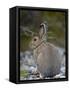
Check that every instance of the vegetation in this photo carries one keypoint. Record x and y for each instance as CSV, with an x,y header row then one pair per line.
x,y
23,73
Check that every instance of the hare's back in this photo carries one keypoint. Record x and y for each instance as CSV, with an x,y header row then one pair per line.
x,y
52,54
50,61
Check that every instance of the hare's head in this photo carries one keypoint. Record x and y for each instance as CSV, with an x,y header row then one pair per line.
x,y
34,42
40,37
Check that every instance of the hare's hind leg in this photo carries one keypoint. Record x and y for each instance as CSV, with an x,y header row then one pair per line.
x,y
39,75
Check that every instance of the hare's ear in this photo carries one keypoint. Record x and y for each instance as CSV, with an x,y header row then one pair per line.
x,y
43,31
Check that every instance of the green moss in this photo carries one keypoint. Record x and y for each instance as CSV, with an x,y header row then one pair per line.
x,y
23,73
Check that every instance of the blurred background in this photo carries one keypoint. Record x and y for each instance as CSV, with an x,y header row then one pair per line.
x,y
30,20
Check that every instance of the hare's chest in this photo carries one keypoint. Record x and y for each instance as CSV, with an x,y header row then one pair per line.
x,y
36,53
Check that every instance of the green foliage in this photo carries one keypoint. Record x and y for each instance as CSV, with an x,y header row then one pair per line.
x,y
24,42
23,73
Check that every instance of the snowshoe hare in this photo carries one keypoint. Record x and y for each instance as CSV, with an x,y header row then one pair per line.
x,y
47,56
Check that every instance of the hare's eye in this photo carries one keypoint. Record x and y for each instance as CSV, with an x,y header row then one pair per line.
x,y
35,39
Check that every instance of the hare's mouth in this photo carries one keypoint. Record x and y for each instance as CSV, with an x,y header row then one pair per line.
x,y
33,46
